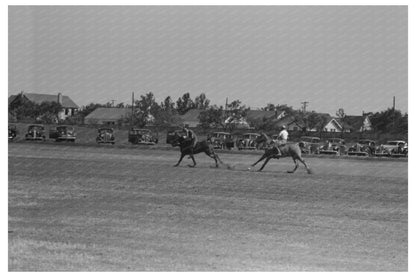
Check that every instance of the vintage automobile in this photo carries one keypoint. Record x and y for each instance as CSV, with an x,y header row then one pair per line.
x,y
35,132
12,132
105,135
395,148
221,140
247,141
63,133
142,136
310,145
364,147
333,146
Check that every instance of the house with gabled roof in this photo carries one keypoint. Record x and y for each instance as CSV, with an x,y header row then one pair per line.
x,y
191,118
107,116
69,107
333,126
357,123
253,115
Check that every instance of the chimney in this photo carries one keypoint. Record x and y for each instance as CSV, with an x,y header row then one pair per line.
x,y
60,98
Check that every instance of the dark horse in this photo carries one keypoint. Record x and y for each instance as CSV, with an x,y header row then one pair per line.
x,y
201,146
287,150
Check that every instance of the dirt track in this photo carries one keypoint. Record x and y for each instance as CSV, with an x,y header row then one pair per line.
x,y
88,208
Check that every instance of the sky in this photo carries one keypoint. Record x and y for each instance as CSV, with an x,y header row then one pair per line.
x,y
350,57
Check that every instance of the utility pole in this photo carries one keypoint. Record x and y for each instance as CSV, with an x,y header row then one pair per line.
x,y
394,107
132,109
304,104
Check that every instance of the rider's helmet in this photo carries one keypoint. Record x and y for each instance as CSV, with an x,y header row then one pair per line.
x,y
283,126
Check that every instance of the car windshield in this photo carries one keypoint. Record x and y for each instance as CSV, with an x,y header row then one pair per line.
x,y
392,142
141,131
37,128
105,131
64,128
310,139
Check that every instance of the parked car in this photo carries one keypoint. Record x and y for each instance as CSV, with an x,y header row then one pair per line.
x,y
12,132
333,146
364,147
247,141
395,147
310,145
221,140
63,133
142,136
105,135
35,132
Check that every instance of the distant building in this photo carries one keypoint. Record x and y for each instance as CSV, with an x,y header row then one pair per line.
x,y
107,116
333,126
111,116
253,115
191,118
68,105
357,123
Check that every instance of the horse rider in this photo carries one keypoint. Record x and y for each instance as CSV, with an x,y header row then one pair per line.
x,y
281,139
191,137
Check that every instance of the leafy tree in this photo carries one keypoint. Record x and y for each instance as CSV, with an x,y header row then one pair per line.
x,y
145,108
342,118
168,105
184,104
390,121
235,112
48,111
201,102
212,117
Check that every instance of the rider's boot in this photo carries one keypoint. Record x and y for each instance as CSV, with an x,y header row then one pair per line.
x,y
279,153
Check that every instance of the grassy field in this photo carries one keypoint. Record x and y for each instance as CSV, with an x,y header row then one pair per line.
x,y
107,209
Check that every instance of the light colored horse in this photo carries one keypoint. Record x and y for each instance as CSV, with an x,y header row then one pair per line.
x,y
287,150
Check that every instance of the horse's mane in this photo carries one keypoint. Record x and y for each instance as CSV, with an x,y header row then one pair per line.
x,y
265,138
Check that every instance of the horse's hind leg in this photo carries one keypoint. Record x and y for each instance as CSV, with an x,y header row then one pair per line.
x,y
296,166
214,156
193,159
306,166
265,162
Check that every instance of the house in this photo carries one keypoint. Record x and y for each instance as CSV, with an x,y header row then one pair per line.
x,y
357,123
332,125
292,124
68,105
107,116
253,115
191,118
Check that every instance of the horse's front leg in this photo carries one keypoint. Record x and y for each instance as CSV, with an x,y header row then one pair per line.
x,y
180,159
262,158
296,166
265,162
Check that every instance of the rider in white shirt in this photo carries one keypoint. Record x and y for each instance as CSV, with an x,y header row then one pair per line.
x,y
282,139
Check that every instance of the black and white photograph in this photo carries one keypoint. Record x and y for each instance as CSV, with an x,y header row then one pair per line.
x,y
207,138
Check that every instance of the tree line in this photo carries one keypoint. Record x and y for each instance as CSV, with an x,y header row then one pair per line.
x,y
167,113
